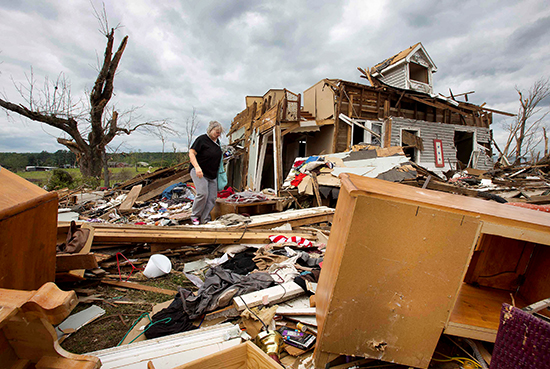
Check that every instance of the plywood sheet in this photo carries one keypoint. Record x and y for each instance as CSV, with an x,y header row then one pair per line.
x,y
401,271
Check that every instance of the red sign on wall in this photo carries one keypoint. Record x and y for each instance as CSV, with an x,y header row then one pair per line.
x,y
438,153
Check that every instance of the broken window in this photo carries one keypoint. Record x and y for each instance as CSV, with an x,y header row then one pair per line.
x,y
364,136
418,73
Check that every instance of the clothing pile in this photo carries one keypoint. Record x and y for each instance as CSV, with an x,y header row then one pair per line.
x,y
247,271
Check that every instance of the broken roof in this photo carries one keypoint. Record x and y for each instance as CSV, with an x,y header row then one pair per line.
x,y
402,57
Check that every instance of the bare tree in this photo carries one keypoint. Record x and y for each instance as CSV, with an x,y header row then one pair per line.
x,y
90,126
524,132
191,125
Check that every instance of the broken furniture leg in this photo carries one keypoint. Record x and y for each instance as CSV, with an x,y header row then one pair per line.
x,y
26,333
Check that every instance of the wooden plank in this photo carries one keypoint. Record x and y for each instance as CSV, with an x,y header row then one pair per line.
x,y
282,310
273,295
316,188
476,313
537,277
148,196
159,173
66,262
163,181
471,331
130,199
386,142
278,159
137,286
294,217
189,236
491,213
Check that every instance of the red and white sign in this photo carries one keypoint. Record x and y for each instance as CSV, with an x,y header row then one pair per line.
x,y
438,153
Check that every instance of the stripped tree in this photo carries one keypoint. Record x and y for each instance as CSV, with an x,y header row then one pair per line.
x,y
525,132
90,125
191,125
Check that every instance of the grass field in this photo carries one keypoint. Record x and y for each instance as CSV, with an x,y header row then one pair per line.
x,y
117,175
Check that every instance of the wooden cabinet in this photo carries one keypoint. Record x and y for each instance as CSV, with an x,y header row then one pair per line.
x,y
397,262
28,231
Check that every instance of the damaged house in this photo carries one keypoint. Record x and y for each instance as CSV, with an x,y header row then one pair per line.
x,y
398,108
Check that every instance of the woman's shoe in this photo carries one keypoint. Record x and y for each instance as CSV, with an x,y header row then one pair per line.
x,y
195,221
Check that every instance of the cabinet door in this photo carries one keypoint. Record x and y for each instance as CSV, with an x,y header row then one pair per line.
x,y
400,271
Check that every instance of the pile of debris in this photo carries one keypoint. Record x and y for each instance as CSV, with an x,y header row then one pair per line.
x,y
242,277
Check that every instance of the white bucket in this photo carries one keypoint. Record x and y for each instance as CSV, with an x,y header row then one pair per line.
x,y
157,266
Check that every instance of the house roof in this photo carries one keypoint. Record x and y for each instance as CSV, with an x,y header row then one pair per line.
x,y
400,58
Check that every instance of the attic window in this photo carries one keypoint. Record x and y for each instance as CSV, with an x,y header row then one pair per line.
x,y
418,73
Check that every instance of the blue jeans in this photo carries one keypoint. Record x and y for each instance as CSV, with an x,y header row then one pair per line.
x,y
207,192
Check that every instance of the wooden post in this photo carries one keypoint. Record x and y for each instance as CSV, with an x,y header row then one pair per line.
x,y
387,108
386,142
278,149
261,160
378,105
316,188
337,121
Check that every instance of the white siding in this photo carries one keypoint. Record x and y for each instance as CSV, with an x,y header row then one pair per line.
x,y
397,77
445,132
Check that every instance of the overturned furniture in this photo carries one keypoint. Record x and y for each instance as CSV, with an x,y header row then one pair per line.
x,y
27,337
28,227
414,263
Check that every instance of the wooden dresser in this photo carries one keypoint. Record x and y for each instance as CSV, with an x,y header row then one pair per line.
x,y
404,265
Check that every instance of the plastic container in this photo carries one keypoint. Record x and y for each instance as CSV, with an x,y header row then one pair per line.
x,y
158,265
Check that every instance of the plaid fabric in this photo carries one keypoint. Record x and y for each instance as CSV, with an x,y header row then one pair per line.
x,y
523,341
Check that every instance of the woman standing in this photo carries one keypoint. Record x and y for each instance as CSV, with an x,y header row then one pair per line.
x,y
205,155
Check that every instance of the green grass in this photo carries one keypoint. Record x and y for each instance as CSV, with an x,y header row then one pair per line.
x,y
118,175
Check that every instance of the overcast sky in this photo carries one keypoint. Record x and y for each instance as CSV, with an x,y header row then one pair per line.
x,y
211,54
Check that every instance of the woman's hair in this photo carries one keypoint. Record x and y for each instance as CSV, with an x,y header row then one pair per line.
x,y
214,125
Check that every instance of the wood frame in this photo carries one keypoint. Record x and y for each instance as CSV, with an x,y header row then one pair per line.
x,y
244,356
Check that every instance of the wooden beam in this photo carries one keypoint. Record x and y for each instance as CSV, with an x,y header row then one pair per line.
x,y
316,188
436,104
130,199
386,142
279,293
189,236
137,286
148,196
499,112
66,262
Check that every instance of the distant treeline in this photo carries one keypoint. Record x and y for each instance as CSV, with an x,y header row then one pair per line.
x,y
63,158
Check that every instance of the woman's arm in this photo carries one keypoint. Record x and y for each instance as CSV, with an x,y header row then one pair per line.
x,y
193,160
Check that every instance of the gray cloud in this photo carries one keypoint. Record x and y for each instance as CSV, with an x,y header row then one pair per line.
x,y
211,54
530,35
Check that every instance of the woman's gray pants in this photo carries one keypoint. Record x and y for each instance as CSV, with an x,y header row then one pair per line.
x,y
207,192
